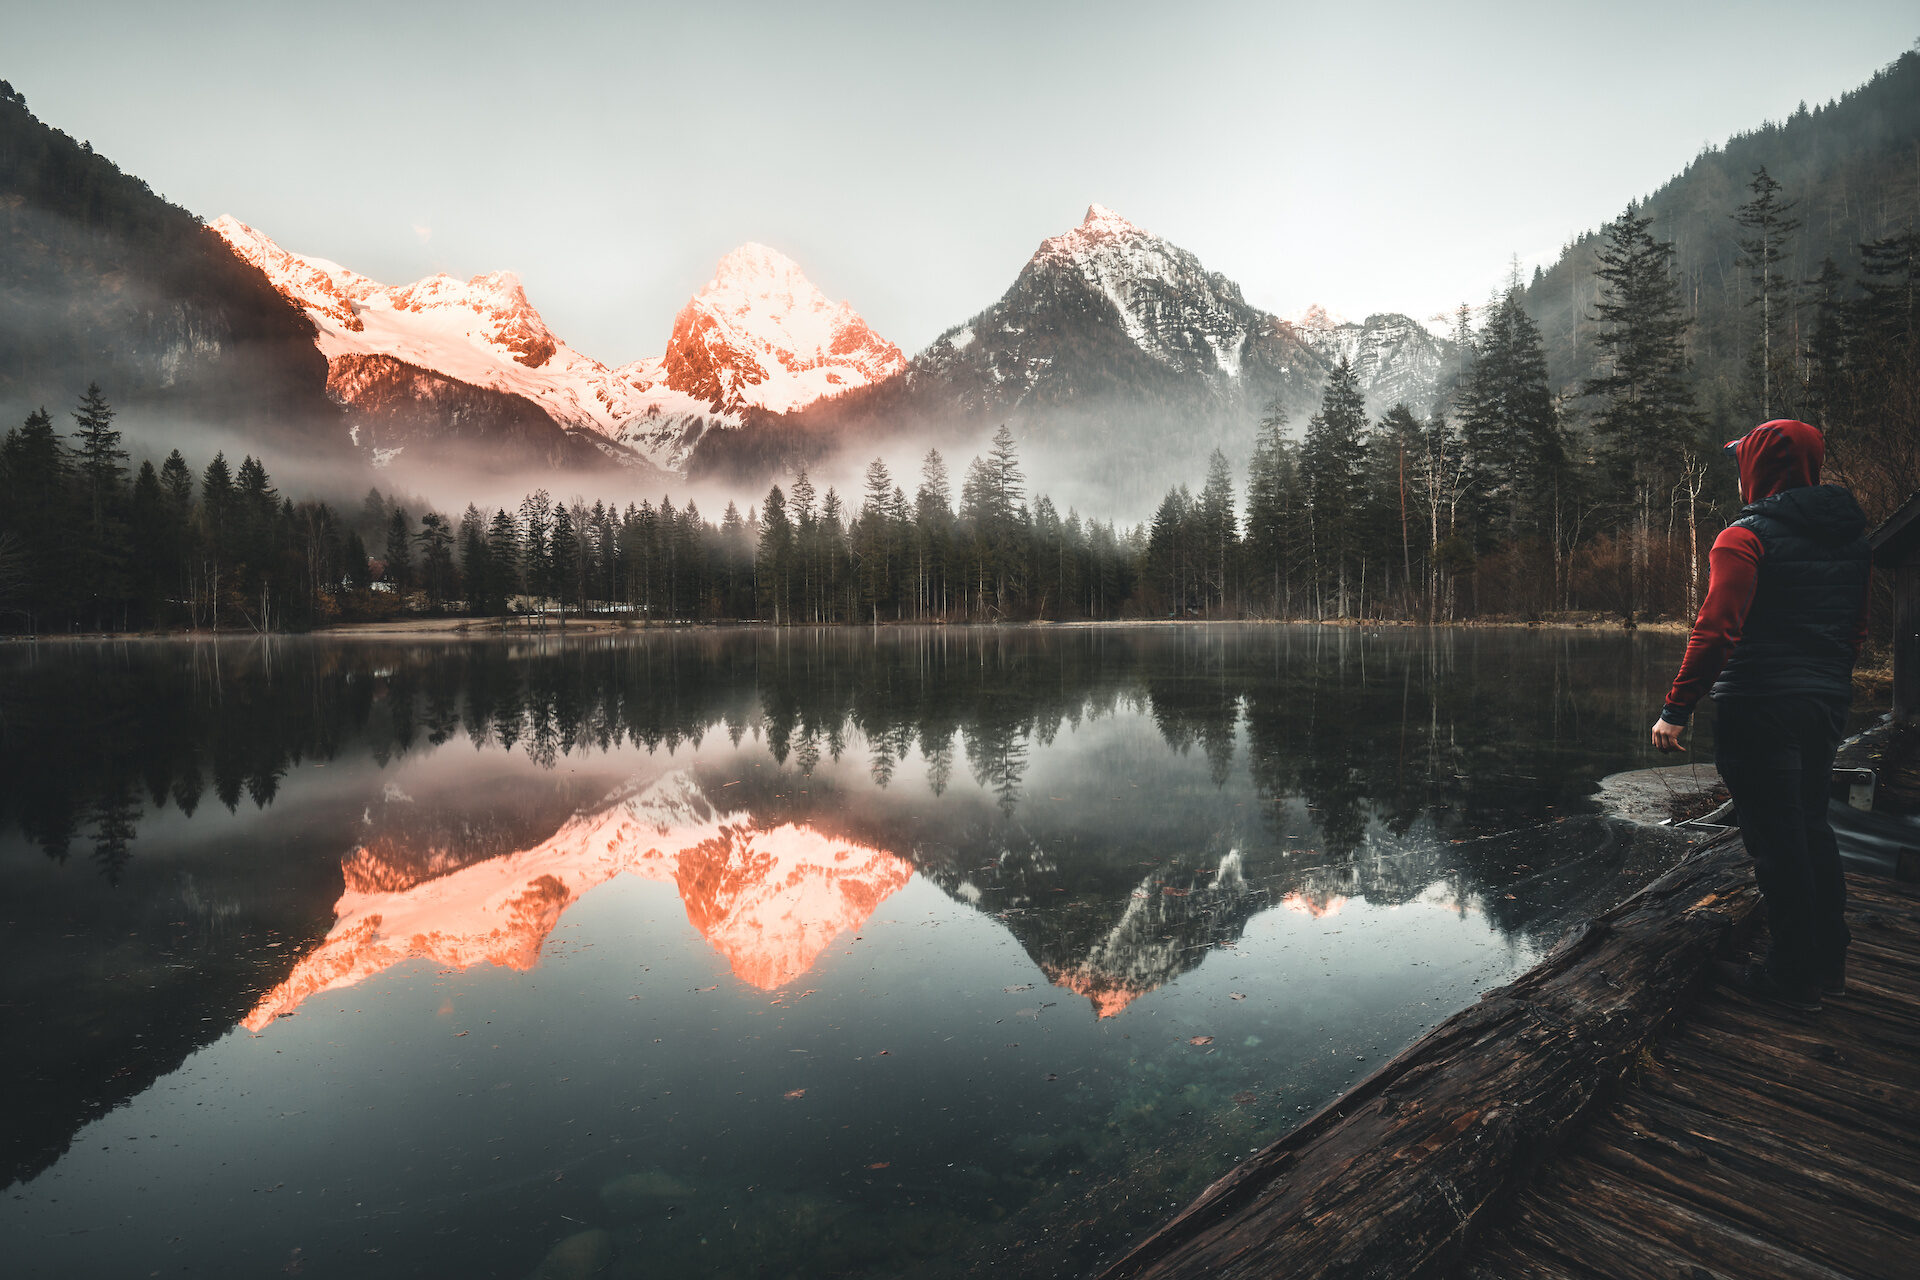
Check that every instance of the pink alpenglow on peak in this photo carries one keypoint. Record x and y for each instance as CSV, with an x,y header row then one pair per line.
x,y
1101,220
761,335
769,899
758,336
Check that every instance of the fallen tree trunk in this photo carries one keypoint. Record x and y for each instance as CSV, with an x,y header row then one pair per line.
x,y
1393,1179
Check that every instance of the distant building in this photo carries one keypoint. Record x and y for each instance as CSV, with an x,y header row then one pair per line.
x,y
377,579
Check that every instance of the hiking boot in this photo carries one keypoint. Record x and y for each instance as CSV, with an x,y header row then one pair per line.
x,y
1755,980
1834,982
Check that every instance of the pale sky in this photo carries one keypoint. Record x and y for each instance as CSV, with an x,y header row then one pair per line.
x,y
1377,157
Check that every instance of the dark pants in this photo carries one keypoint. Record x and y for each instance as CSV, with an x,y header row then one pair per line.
x,y
1776,755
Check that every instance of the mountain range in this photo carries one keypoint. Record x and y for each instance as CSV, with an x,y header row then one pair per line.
x,y
1108,337
1118,358
1109,342
758,336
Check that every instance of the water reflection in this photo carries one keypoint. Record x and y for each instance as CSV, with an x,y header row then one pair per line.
x,y
1103,811
769,900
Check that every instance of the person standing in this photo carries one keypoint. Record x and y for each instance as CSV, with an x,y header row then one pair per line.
x,y
1776,640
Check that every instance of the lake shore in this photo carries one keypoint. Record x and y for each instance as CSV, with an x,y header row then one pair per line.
x,y
469,627
596,626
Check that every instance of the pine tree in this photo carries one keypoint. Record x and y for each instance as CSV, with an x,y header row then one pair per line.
x,y
1647,422
933,532
873,539
1510,426
503,557
357,573
476,568
1219,529
98,457
1168,557
148,524
1827,345
34,514
536,549
1273,502
564,557
98,460
435,541
400,550
1005,497
1767,221
773,558
177,481
1330,462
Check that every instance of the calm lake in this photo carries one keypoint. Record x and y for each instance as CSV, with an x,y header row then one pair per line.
x,y
746,953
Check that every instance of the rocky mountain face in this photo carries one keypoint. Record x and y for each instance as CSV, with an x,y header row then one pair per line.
x,y
759,336
103,281
1399,360
1119,360
1107,311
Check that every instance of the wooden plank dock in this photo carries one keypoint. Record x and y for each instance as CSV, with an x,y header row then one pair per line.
x,y
1751,1141
1611,1114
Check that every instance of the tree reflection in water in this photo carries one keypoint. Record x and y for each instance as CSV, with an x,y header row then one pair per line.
x,y
1384,766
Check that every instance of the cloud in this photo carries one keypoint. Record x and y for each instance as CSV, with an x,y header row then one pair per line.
x,y
424,231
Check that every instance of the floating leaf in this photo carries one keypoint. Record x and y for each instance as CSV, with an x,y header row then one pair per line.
x,y
458,1034
880,1164
1236,995
1025,986
1201,1040
714,987
796,1093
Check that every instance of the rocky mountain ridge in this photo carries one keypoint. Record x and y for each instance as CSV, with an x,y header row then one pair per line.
x,y
760,335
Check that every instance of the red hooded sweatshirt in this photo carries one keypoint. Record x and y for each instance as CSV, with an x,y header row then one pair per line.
x,y
1773,457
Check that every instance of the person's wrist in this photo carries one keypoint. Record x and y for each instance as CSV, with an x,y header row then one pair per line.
x,y
1675,715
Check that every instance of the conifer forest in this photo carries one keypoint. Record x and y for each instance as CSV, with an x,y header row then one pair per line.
x,y
1524,493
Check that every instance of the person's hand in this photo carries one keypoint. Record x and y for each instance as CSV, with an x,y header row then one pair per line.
x,y
1666,735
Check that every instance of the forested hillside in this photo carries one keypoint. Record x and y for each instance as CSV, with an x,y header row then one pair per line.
x,y
101,279
1851,171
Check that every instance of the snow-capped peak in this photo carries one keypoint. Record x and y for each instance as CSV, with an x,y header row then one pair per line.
x,y
1101,231
760,334
1318,317
1101,220
1171,307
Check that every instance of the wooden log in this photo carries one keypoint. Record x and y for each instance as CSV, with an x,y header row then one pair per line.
x,y
1392,1179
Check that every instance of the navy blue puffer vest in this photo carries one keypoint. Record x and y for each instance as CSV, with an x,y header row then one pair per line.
x,y
1813,577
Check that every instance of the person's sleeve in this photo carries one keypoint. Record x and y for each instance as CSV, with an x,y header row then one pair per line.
x,y
1733,570
1860,626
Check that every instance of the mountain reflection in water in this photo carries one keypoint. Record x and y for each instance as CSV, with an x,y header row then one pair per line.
x,y
259,824
768,900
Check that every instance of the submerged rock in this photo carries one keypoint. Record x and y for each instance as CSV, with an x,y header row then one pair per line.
x,y
1669,793
581,1256
649,1191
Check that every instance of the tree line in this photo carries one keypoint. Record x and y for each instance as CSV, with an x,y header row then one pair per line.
x,y
1514,499
1509,499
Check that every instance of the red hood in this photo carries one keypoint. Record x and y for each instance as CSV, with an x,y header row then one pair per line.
x,y
1778,455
